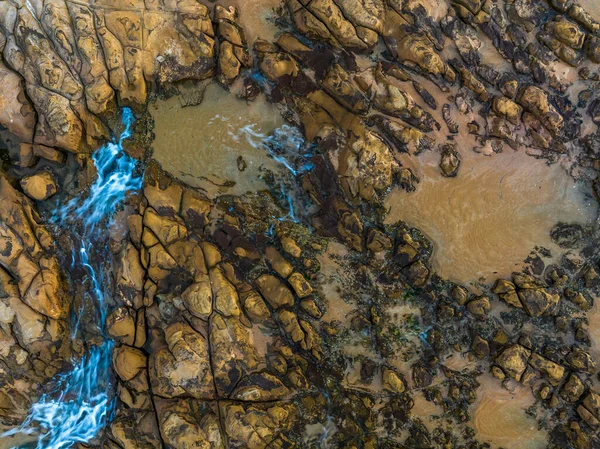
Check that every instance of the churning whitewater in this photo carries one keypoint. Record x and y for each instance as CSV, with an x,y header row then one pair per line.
x,y
79,405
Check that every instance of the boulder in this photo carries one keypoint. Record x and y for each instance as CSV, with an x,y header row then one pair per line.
x,y
40,186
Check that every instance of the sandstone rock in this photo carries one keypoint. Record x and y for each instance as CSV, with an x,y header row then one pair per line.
x,y
233,53
450,161
121,326
300,285
259,388
16,111
162,193
291,247
417,273
581,360
339,84
198,298
413,47
582,17
480,346
182,429
350,229
291,325
392,382
573,389
278,262
507,292
232,354
167,230
253,427
479,307
46,293
274,291
536,101
506,108
226,297
553,371
513,361
40,186
211,254
537,301
128,362
255,306
377,241
592,404
459,294
195,209
567,32
182,366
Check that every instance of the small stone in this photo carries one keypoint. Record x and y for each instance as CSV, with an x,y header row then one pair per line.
x,y
291,247
459,294
310,306
121,326
498,373
513,361
480,346
572,389
479,307
450,161
274,291
392,382
300,285
278,262
40,186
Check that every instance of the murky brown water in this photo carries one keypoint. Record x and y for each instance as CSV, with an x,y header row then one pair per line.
x,y
499,416
201,144
486,221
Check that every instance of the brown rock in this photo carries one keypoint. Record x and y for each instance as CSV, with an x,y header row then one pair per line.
x,y
507,292
274,291
226,297
260,387
198,298
339,84
121,326
450,161
536,101
182,366
278,262
300,285
291,325
40,186
128,362
377,241
417,273
592,404
513,361
479,307
291,247
553,371
572,389
506,108
392,382
537,301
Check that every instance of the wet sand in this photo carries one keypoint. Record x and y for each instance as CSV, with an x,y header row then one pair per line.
x,y
199,142
256,18
499,416
485,222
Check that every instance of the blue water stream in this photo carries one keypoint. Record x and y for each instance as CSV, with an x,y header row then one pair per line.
x,y
79,405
